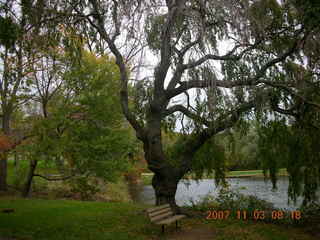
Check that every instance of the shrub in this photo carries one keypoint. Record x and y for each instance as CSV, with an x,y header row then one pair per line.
x,y
310,214
83,187
232,200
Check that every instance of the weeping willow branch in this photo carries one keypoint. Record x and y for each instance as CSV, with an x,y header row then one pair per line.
x,y
225,121
292,92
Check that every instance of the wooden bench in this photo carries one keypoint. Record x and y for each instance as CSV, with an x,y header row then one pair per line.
x,y
163,215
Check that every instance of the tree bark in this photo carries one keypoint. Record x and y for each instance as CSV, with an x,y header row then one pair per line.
x,y
3,171
166,177
27,186
165,184
4,155
16,160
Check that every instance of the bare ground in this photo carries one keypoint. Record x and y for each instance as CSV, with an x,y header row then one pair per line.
x,y
188,233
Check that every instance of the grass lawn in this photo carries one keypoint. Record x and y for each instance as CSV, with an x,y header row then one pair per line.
x,y
18,175
251,230
250,173
68,220
35,219
147,177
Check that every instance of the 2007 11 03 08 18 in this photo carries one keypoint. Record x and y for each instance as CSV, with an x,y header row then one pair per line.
x,y
255,215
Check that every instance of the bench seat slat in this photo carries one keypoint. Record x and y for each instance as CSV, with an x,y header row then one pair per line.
x,y
158,208
152,214
171,219
161,216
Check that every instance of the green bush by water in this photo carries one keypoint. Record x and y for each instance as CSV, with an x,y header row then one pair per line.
x,y
228,199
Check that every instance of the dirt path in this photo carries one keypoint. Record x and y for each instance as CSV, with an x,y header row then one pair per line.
x,y
195,233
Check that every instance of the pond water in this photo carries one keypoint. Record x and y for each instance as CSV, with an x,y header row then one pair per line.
x,y
193,190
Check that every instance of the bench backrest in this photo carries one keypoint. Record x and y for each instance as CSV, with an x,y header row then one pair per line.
x,y
161,212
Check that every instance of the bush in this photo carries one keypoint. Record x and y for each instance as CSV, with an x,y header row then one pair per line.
x,y
18,176
310,214
83,187
232,200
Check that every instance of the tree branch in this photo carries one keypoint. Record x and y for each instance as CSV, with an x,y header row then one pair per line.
x,y
122,69
196,140
186,85
55,179
227,57
289,90
187,112
275,107
174,8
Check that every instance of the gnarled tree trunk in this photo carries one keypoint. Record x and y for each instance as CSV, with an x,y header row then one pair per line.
x,y
27,186
166,177
165,187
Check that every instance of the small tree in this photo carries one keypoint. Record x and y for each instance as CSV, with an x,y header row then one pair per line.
x,y
21,35
83,131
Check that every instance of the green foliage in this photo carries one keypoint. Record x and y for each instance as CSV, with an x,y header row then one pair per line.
x,y
208,159
272,152
297,147
82,186
101,137
9,32
174,149
153,28
141,94
85,131
311,214
308,12
266,14
19,174
241,147
233,201
229,199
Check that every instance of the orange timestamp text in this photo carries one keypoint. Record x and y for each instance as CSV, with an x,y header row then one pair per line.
x,y
255,215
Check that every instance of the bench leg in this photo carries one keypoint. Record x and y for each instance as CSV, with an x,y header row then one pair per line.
x,y
162,229
176,225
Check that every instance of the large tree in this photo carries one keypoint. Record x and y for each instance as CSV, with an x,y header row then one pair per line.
x,y
229,51
13,34
22,33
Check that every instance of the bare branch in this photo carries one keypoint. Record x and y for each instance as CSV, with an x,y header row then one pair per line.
x,y
275,107
115,20
227,57
123,71
184,86
185,111
186,48
182,67
166,49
